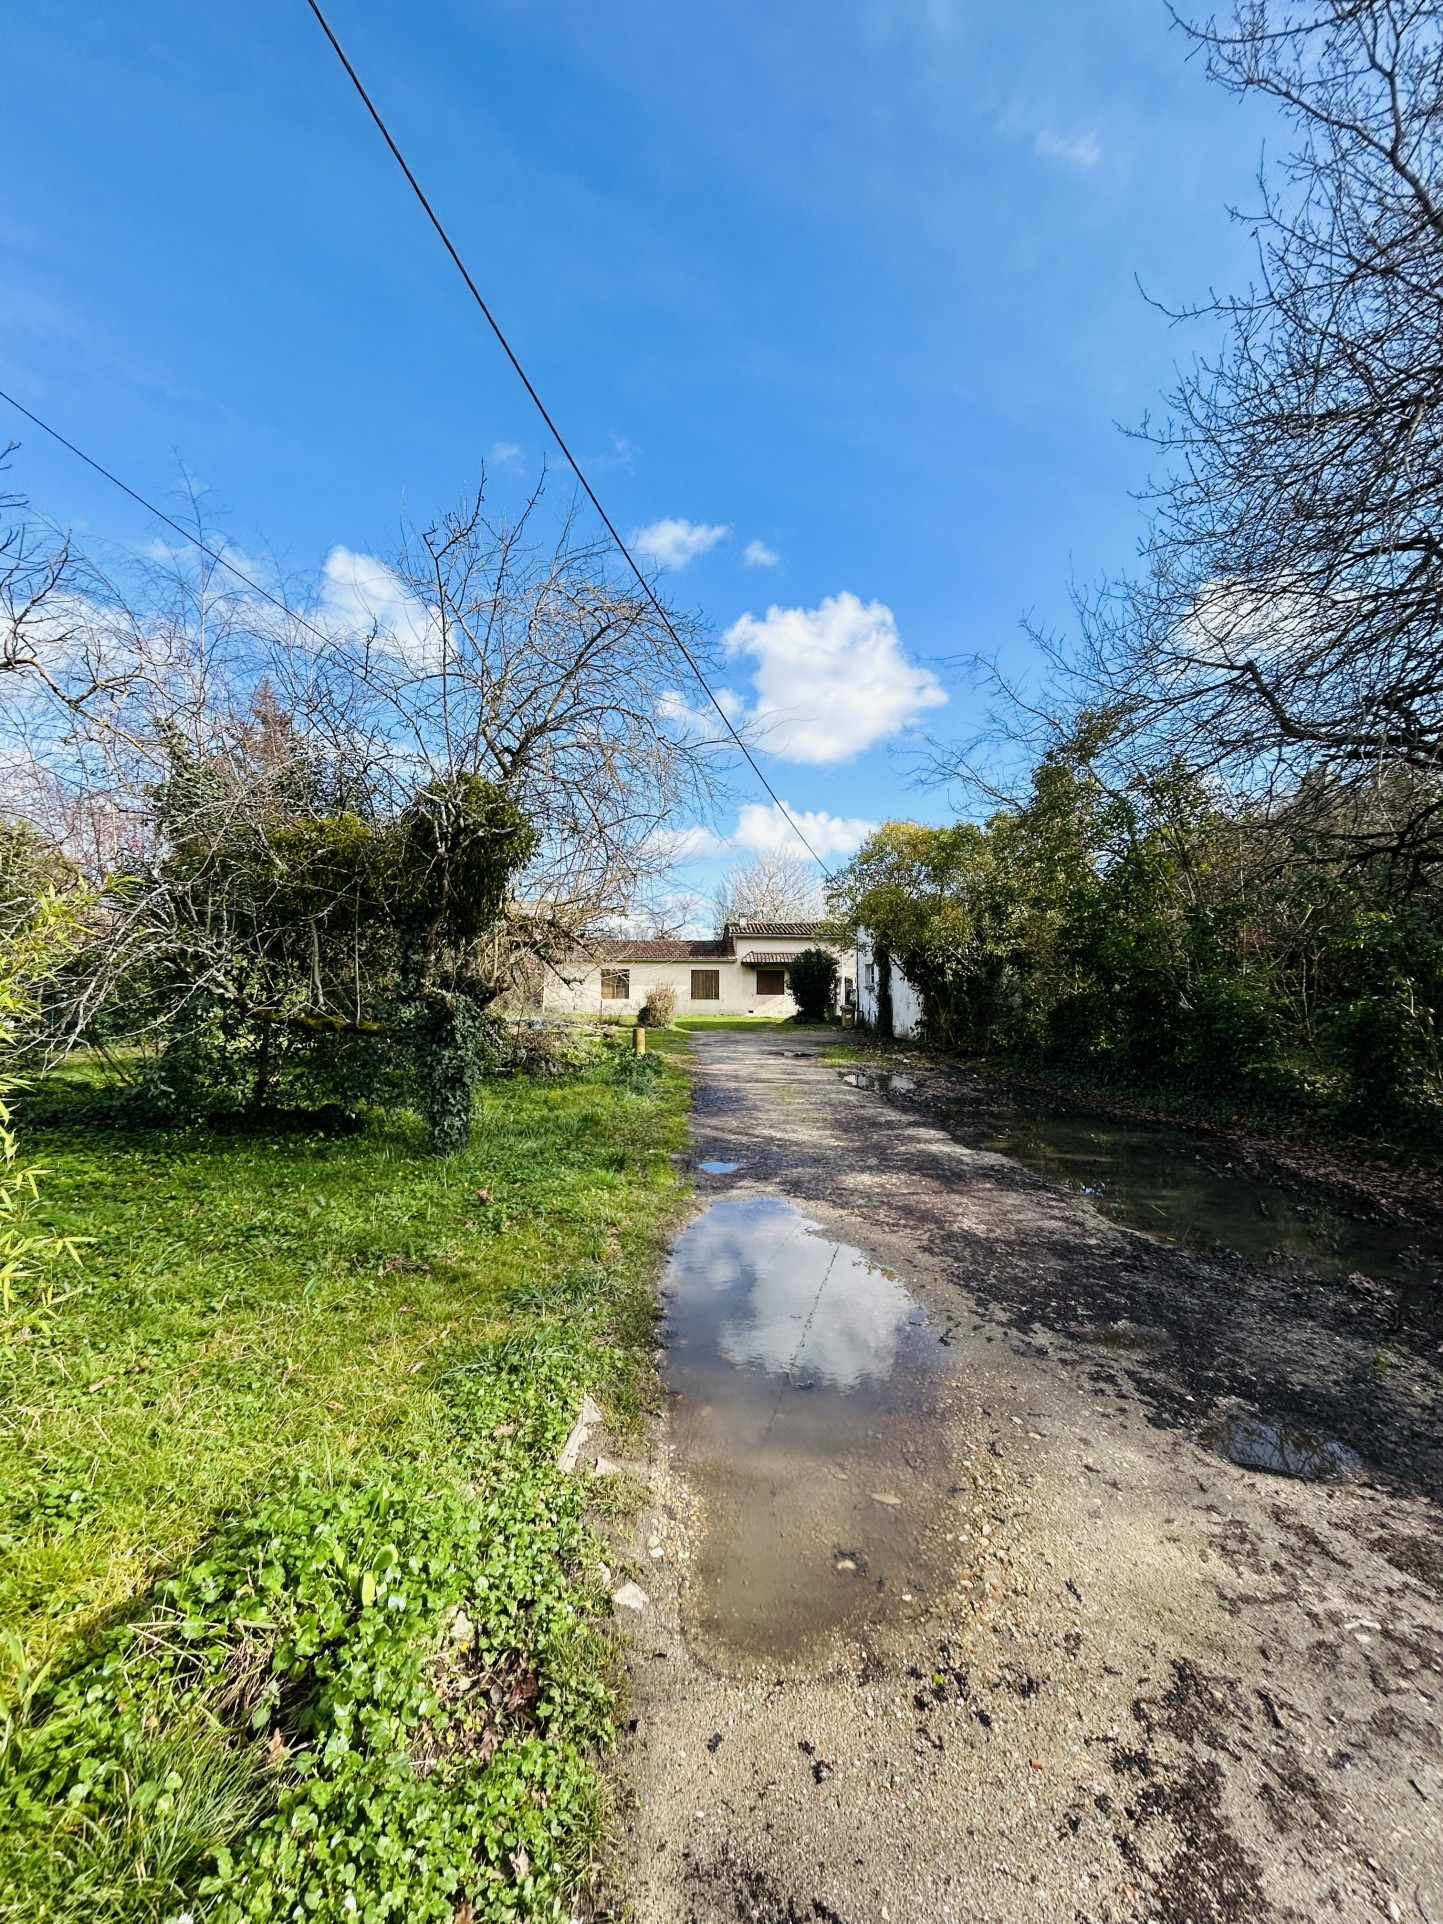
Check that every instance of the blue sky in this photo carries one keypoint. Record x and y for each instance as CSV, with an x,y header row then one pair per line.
x,y
854,284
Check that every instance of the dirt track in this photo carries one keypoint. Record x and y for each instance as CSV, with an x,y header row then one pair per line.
x,y
1156,1686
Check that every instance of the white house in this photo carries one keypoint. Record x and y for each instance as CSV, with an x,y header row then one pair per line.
x,y
886,1000
743,971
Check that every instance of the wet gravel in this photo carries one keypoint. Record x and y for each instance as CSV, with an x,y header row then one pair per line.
x,y
1153,1682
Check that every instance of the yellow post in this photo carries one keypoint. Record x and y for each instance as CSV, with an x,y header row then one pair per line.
x,y
638,1037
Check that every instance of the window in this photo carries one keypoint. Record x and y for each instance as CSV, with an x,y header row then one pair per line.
x,y
771,981
848,994
616,985
706,985
869,976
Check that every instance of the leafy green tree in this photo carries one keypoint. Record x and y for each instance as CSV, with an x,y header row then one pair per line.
x,y
812,977
1143,934
299,946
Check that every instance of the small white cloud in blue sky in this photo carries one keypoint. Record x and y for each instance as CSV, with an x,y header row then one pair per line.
x,y
358,591
756,554
1075,150
622,456
695,844
831,680
672,542
504,451
762,826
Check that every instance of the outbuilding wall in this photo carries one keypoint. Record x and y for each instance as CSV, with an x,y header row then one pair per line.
x,y
906,1003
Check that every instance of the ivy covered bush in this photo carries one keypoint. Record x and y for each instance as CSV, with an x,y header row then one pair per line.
x,y
320,950
812,977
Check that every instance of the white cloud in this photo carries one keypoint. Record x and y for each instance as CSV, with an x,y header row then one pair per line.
x,y
1075,150
761,829
756,554
830,681
853,1338
360,591
762,826
672,543
1232,622
697,719
503,451
694,844
621,456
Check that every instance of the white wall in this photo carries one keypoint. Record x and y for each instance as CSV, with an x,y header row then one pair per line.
x,y
575,987
906,1003
581,991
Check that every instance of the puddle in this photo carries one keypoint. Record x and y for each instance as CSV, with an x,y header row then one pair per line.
x,y
804,1382
1255,1445
1167,1183
881,1081
718,1168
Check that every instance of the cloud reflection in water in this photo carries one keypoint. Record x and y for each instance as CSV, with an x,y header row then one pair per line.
x,y
764,1271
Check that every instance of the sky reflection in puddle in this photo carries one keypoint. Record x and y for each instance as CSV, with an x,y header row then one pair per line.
x,y
1167,1183
1254,1444
881,1082
804,1380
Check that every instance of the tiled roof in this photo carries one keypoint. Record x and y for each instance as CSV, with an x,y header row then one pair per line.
x,y
779,931
625,948
754,959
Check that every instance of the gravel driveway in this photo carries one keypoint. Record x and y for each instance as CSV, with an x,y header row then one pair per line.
x,y
1142,1683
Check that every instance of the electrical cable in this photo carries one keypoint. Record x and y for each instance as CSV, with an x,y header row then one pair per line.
x,y
160,515
555,432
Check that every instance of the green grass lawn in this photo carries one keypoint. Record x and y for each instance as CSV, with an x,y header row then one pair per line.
x,y
298,1421
685,1022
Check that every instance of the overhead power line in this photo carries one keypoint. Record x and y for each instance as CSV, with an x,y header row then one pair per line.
x,y
555,432
186,534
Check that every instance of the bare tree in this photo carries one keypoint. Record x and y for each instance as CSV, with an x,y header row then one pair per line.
x,y
512,650
1288,622
67,662
775,886
660,910
233,793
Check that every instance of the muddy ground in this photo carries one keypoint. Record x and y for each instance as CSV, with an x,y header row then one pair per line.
x,y
1152,1685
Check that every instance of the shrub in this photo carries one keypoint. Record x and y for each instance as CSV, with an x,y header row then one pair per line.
x,y
813,977
659,1009
543,1048
30,950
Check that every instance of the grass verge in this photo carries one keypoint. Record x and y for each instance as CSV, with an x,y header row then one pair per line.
x,y
299,1619
685,1022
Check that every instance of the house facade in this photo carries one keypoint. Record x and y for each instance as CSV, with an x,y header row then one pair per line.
x,y
743,971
